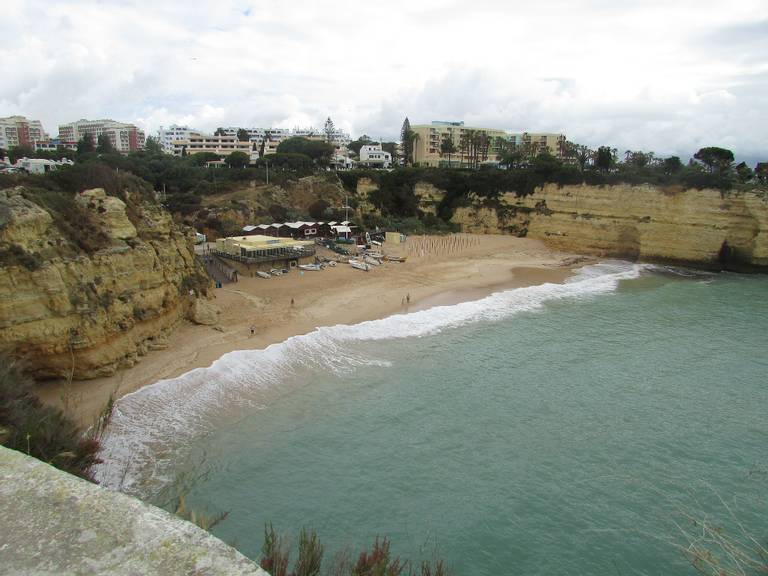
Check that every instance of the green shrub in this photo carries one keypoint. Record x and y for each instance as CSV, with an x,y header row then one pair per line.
x,y
41,431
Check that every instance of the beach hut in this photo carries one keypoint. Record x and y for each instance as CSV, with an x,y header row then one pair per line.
x,y
323,229
343,232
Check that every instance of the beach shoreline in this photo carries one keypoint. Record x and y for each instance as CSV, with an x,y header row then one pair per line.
x,y
298,303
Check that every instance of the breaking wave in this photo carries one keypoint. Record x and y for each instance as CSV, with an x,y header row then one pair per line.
x,y
152,428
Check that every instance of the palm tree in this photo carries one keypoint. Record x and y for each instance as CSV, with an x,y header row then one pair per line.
x,y
447,147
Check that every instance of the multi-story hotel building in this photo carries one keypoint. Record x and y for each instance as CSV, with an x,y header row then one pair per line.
x,y
537,143
429,139
223,146
339,138
257,134
167,136
123,137
18,131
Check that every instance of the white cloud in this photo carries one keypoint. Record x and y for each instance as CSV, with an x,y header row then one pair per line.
x,y
663,75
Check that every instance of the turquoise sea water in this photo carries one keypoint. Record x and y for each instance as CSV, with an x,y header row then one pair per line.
x,y
550,430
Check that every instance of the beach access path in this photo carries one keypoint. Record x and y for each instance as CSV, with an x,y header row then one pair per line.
x,y
439,271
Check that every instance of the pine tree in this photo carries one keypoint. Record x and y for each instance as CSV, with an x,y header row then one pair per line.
x,y
407,136
329,130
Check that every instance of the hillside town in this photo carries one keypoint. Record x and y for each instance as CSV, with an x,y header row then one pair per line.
x,y
437,144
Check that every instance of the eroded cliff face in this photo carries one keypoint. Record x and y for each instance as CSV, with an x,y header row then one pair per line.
x,y
89,312
250,204
703,228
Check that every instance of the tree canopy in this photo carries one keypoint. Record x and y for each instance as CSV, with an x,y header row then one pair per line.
x,y
604,158
152,146
104,144
319,152
237,159
715,159
85,145
242,135
202,158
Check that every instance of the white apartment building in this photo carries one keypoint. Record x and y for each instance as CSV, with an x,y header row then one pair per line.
x,y
124,137
167,136
18,131
339,137
223,146
372,155
257,134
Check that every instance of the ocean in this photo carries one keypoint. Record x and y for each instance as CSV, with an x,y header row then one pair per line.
x,y
555,429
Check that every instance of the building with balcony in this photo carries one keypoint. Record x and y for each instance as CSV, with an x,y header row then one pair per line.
x,y
536,143
223,146
18,131
373,156
167,136
429,139
123,137
474,146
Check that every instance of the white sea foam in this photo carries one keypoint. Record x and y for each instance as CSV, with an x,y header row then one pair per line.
x,y
153,426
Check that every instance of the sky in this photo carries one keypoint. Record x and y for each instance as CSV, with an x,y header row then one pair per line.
x,y
669,76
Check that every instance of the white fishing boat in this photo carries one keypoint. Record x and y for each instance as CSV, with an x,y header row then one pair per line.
x,y
359,265
314,267
261,274
276,272
372,261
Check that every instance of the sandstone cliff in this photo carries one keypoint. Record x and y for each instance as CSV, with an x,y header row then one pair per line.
x,y
703,228
88,284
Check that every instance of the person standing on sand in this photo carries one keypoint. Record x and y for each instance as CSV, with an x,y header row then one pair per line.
x,y
408,298
253,329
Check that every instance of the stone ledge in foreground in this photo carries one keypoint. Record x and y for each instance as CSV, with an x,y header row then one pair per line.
x,y
55,523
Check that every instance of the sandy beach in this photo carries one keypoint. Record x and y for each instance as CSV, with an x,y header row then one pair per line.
x,y
437,272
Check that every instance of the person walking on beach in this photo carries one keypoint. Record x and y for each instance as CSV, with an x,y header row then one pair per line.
x,y
253,329
408,298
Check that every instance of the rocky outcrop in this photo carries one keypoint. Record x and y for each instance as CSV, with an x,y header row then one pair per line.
x,y
205,313
55,523
89,311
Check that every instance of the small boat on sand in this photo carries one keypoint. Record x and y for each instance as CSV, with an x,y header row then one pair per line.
x,y
261,274
276,272
395,258
314,267
372,261
359,265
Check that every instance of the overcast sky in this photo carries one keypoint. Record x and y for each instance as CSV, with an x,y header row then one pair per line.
x,y
663,75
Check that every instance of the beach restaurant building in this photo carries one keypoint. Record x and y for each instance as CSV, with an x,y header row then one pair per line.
x,y
249,254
